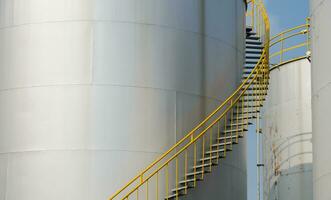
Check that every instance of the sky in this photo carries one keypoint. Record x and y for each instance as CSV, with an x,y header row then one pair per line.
x,y
283,14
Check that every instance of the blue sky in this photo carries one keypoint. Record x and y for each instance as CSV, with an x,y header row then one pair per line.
x,y
283,15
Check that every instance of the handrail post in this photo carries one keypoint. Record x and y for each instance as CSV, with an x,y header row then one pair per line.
x,y
231,122
225,134
141,178
282,48
308,33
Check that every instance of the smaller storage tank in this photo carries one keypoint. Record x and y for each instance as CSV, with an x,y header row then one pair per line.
x,y
287,133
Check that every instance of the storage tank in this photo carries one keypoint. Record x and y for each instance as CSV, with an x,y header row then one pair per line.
x,y
287,133
91,91
321,96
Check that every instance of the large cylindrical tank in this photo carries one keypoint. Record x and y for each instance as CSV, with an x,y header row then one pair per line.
x,y
91,91
287,133
321,96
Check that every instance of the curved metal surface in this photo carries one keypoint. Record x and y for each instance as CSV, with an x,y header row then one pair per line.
x,y
287,133
321,95
86,86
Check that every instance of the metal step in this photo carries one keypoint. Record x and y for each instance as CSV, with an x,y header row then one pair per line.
x,y
173,196
253,52
253,89
227,137
251,62
249,67
221,144
248,34
250,106
251,100
257,102
246,114
248,72
264,84
254,47
208,158
249,112
253,42
247,76
217,151
235,124
239,124
257,94
179,189
188,181
197,173
235,130
253,57
252,86
203,165
243,117
249,29
251,37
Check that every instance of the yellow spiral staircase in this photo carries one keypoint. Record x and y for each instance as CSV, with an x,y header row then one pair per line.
x,y
179,169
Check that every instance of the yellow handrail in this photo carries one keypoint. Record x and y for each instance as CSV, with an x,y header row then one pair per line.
x,y
257,78
287,36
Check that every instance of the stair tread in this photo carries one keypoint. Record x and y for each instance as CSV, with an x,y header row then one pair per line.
x,y
250,100
253,37
197,173
251,62
172,196
249,112
251,88
253,42
234,130
202,165
248,71
221,144
227,137
179,189
254,47
257,94
188,181
211,158
253,57
246,117
249,28
239,124
250,106
217,151
253,52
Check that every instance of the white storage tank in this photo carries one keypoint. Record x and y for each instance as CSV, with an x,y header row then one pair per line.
x,y
92,91
321,96
287,133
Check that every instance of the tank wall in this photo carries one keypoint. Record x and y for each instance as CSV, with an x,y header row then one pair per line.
x,y
321,95
287,133
91,91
